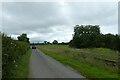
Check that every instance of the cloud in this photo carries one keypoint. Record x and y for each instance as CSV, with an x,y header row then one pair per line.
x,y
119,18
56,20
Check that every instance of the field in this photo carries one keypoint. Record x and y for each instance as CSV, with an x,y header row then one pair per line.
x,y
92,63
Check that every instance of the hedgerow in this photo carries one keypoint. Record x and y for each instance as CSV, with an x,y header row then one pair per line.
x,y
12,51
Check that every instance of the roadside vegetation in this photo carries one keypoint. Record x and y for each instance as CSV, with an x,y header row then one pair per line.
x,y
93,54
0,55
14,53
90,62
21,70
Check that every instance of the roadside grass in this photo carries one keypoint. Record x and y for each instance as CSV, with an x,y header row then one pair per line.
x,y
21,70
83,60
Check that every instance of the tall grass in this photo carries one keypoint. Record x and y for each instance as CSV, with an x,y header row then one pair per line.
x,y
21,70
84,60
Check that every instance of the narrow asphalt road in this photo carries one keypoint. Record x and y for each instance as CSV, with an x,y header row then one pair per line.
x,y
43,66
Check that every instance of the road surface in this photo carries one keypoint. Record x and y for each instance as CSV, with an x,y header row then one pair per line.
x,y
43,66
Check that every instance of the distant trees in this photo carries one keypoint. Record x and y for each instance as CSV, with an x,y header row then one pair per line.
x,y
107,40
89,36
23,37
55,42
46,42
49,43
63,43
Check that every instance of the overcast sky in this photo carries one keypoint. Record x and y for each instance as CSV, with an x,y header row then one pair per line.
x,y
56,20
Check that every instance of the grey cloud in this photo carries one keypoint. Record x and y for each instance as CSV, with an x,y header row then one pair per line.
x,y
119,18
52,20
97,13
31,16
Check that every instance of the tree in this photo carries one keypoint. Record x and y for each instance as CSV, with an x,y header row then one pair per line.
x,y
23,37
55,42
45,42
84,35
48,43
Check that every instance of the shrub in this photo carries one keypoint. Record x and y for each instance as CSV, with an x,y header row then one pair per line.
x,y
12,51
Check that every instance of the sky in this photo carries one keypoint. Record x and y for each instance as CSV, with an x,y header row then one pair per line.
x,y
48,21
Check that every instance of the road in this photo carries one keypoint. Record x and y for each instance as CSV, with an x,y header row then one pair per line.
x,y
43,66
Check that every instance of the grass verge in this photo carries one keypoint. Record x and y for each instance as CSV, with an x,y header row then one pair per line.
x,y
21,70
86,69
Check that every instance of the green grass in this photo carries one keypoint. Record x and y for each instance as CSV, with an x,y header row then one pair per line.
x,y
22,69
83,60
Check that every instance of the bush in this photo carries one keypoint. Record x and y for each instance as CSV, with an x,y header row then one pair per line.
x,y
12,51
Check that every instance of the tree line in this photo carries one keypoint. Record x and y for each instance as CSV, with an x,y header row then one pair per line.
x,y
50,43
89,36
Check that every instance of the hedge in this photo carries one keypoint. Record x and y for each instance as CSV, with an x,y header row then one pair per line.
x,y
12,51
